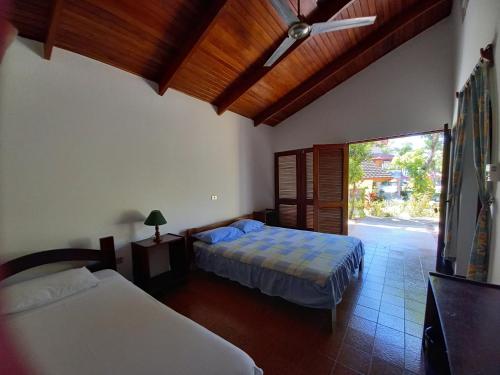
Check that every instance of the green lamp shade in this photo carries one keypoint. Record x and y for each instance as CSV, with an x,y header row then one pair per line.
x,y
155,218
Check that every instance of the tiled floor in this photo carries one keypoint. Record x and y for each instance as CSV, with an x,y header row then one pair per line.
x,y
379,322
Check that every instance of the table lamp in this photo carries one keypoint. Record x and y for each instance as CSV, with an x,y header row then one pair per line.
x,y
155,219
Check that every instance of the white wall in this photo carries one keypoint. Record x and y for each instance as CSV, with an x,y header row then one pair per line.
x,y
408,90
481,26
87,150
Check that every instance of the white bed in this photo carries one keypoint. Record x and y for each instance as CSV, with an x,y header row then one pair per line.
x,y
116,328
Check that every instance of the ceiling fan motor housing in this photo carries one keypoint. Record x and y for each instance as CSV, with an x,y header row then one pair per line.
x,y
299,30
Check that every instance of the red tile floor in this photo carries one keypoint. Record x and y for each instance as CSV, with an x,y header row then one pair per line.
x,y
379,321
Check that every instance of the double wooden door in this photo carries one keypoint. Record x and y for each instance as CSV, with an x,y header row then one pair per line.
x,y
294,188
311,188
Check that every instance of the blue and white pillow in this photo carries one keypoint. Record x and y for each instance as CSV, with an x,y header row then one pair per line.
x,y
219,234
248,225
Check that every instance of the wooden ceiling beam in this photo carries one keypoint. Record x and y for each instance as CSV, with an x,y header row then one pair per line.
x,y
371,41
194,39
53,26
257,71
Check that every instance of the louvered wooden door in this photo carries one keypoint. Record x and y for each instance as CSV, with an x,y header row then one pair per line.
x,y
309,189
294,188
331,168
287,187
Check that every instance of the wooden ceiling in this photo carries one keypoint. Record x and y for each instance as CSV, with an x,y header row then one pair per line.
x,y
214,50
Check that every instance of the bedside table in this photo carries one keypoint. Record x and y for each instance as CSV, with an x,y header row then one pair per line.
x,y
267,216
176,247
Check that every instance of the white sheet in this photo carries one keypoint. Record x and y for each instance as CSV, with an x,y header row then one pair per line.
x,y
116,328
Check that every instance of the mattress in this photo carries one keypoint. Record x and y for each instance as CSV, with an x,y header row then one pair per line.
x,y
308,268
116,328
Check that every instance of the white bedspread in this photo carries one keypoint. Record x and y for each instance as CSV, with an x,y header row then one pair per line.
x,y
116,328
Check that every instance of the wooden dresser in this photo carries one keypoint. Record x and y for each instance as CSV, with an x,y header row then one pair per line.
x,y
462,327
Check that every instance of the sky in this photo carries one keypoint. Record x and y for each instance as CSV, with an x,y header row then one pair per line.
x,y
416,140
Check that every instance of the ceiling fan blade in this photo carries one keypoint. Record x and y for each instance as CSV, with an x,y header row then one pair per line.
x,y
283,47
324,27
285,12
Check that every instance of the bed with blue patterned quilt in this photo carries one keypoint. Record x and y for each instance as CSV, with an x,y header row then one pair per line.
x,y
308,268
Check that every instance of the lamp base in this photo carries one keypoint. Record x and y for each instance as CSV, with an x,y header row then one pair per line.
x,y
157,238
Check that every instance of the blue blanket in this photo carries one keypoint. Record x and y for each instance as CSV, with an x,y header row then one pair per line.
x,y
309,268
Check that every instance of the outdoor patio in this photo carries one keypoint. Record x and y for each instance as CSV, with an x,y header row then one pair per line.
x,y
396,232
409,245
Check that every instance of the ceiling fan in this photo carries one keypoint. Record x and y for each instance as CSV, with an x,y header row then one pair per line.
x,y
299,29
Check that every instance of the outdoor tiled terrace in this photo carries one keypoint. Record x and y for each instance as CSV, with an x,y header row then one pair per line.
x,y
379,325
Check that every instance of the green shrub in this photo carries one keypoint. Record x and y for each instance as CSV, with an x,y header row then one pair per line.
x,y
377,208
421,206
357,208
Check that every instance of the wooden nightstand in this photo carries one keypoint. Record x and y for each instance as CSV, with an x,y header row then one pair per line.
x,y
176,247
267,216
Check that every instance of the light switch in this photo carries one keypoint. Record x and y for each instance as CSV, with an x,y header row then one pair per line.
x,y
214,197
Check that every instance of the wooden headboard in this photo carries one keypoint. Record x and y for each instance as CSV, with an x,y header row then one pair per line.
x,y
190,232
101,259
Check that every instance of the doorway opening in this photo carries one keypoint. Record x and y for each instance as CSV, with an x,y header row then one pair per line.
x,y
394,192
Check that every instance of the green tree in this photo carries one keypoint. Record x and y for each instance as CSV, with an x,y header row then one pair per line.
x,y
407,147
358,153
434,148
416,165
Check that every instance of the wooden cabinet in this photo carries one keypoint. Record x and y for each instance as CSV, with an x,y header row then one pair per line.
x,y
141,253
462,327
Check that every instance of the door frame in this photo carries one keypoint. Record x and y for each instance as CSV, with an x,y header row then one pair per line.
x,y
442,265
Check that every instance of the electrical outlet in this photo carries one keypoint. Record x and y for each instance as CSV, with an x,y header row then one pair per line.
x,y
215,197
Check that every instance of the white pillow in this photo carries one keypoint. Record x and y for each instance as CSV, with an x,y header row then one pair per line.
x,y
46,289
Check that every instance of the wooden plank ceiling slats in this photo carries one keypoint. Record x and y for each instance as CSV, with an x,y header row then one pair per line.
x,y
215,50
194,39
307,56
375,53
373,41
258,71
31,18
